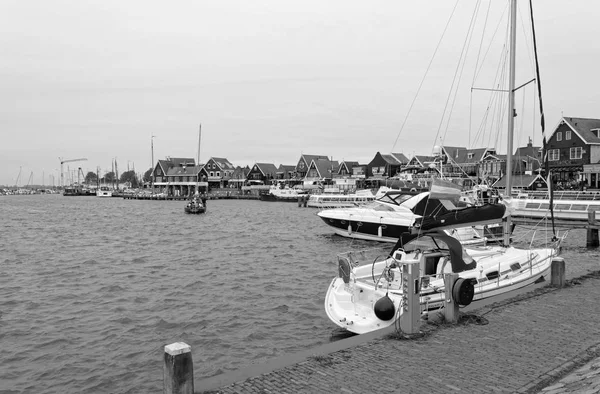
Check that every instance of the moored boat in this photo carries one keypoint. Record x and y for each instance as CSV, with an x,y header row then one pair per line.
x,y
286,194
339,200
352,296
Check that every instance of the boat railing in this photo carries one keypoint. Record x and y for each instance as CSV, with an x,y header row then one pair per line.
x,y
560,195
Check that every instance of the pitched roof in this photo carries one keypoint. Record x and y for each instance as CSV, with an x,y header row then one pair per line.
x,y
309,158
423,160
529,150
583,127
223,163
453,152
468,156
519,181
283,168
184,171
325,167
267,168
347,165
395,159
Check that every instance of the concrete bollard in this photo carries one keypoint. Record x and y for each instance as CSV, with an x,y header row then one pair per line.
x,y
557,272
178,371
451,308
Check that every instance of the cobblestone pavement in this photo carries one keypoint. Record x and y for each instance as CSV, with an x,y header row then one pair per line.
x,y
583,380
545,341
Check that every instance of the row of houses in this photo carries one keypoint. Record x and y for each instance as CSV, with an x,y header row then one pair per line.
x,y
573,150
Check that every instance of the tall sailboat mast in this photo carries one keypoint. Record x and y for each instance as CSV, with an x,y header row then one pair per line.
x,y
511,112
199,138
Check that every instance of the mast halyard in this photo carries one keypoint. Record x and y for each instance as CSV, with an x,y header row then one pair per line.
x,y
511,113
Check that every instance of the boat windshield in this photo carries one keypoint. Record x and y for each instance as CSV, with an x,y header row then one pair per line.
x,y
395,198
379,207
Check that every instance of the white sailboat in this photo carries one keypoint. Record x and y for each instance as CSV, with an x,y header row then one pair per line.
x,y
367,294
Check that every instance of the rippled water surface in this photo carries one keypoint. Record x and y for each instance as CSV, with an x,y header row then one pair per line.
x,y
91,289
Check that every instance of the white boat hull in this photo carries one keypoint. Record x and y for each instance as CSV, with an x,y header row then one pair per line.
x,y
351,305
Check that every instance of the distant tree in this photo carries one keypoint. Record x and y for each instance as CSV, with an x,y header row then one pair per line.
x,y
91,177
147,175
129,176
109,177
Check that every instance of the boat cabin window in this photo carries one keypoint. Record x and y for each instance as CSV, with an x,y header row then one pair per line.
x,y
532,205
545,206
492,275
562,206
579,207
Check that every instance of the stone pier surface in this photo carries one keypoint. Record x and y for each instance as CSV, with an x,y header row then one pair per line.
x,y
544,341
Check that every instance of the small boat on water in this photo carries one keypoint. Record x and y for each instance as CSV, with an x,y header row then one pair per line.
x,y
339,200
195,206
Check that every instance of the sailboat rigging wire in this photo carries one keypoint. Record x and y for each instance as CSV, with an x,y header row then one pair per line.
x,y
542,121
424,76
457,74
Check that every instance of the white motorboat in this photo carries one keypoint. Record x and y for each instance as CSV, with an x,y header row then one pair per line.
x,y
104,191
279,193
386,218
339,200
566,206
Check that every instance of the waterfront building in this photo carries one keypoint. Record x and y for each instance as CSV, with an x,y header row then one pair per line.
x,y
262,174
573,151
217,172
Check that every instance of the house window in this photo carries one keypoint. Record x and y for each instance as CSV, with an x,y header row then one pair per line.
x,y
596,132
218,173
212,173
568,135
559,136
576,153
553,154
470,155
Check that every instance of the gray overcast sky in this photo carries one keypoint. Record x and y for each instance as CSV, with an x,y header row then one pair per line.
x,y
269,80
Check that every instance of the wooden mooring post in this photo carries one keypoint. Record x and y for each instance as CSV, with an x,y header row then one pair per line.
x,y
592,230
451,307
302,201
557,272
178,369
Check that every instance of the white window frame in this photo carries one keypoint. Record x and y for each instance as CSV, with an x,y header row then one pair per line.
x,y
554,155
559,136
471,155
568,135
212,173
573,153
218,173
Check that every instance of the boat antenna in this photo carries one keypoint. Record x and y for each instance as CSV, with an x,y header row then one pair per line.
x,y
543,123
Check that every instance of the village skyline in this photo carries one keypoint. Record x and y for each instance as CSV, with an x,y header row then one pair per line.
x,y
270,81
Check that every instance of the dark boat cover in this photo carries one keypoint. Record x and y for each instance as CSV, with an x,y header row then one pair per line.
x,y
441,241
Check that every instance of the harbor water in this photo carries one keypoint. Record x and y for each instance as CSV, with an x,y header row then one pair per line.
x,y
91,289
